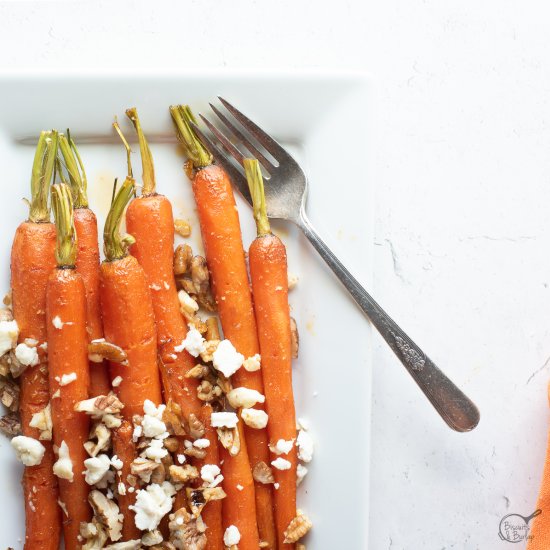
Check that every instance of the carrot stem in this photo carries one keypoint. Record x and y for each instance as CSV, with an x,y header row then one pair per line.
x,y
42,171
75,170
256,185
62,206
149,183
116,245
127,147
197,152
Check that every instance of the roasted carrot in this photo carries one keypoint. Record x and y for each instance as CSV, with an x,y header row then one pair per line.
x,y
68,368
87,261
223,245
269,277
125,449
32,261
128,317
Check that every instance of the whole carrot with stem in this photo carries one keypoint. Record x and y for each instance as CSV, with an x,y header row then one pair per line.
x,y
223,245
269,277
32,261
68,368
87,260
128,318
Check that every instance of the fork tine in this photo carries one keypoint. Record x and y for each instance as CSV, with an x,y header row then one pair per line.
x,y
226,144
244,140
237,178
271,145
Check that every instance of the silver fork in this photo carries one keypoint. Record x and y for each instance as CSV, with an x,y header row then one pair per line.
x,y
286,191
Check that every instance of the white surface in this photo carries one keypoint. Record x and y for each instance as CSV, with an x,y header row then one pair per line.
x,y
317,302
462,183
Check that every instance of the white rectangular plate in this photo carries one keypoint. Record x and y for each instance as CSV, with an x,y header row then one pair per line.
x,y
325,119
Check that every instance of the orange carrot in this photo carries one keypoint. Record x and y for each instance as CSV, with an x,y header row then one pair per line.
x,y
125,449
269,276
68,368
222,239
128,316
32,261
87,261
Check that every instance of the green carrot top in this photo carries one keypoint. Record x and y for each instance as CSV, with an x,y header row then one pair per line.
x,y
149,183
62,206
75,170
256,185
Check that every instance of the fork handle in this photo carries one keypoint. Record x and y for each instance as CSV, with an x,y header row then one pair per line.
x,y
456,409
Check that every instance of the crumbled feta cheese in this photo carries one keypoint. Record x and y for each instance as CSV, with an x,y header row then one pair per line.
x,y
136,434
223,420
282,447
131,489
187,303
292,281
28,450
181,458
57,322
187,444
56,394
255,418
232,536
301,472
276,485
152,427
116,463
121,488
253,363
116,381
227,359
209,472
63,467
194,343
152,504
9,332
27,355
66,378
96,468
244,397
42,421
166,285
304,443
281,464
152,410
156,450
303,424
202,443
154,287
239,487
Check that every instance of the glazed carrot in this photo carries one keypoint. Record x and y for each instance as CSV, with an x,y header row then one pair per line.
x,y
124,448
128,318
150,221
87,261
269,277
68,367
222,239
32,261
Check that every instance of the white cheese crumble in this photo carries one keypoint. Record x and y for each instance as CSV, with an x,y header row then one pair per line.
x,y
66,378
63,467
96,468
28,450
276,485
254,418
136,434
281,464
57,322
244,397
152,427
253,363
301,472
292,281
121,488
232,536
282,447
303,424
27,355
116,463
152,504
239,487
116,381
223,420
9,332
304,443
156,450
181,458
202,443
194,343
209,472
227,359
42,421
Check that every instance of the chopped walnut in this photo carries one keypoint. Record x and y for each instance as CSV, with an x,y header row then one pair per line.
x,y
300,546
7,299
297,528
194,452
198,498
230,440
187,532
172,444
98,350
210,346
173,418
100,405
224,384
201,281
294,338
107,512
151,538
144,468
196,427
102,434
183,474
10,425
42,421
206,391
263,544
182,227
182,259
127,545
9,394
94,534
262,473
198,371
16,368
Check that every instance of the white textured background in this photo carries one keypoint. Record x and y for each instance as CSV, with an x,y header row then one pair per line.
x,y
462,215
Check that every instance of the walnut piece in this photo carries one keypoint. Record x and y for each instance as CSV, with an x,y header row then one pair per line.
x,y
98,350
297,528
173,418
42,421
10,425
182,259
102,434
262,473
182,227
107,512
183,474
196,427
187,532
229,438
9,394
94,534
100,405
199,498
